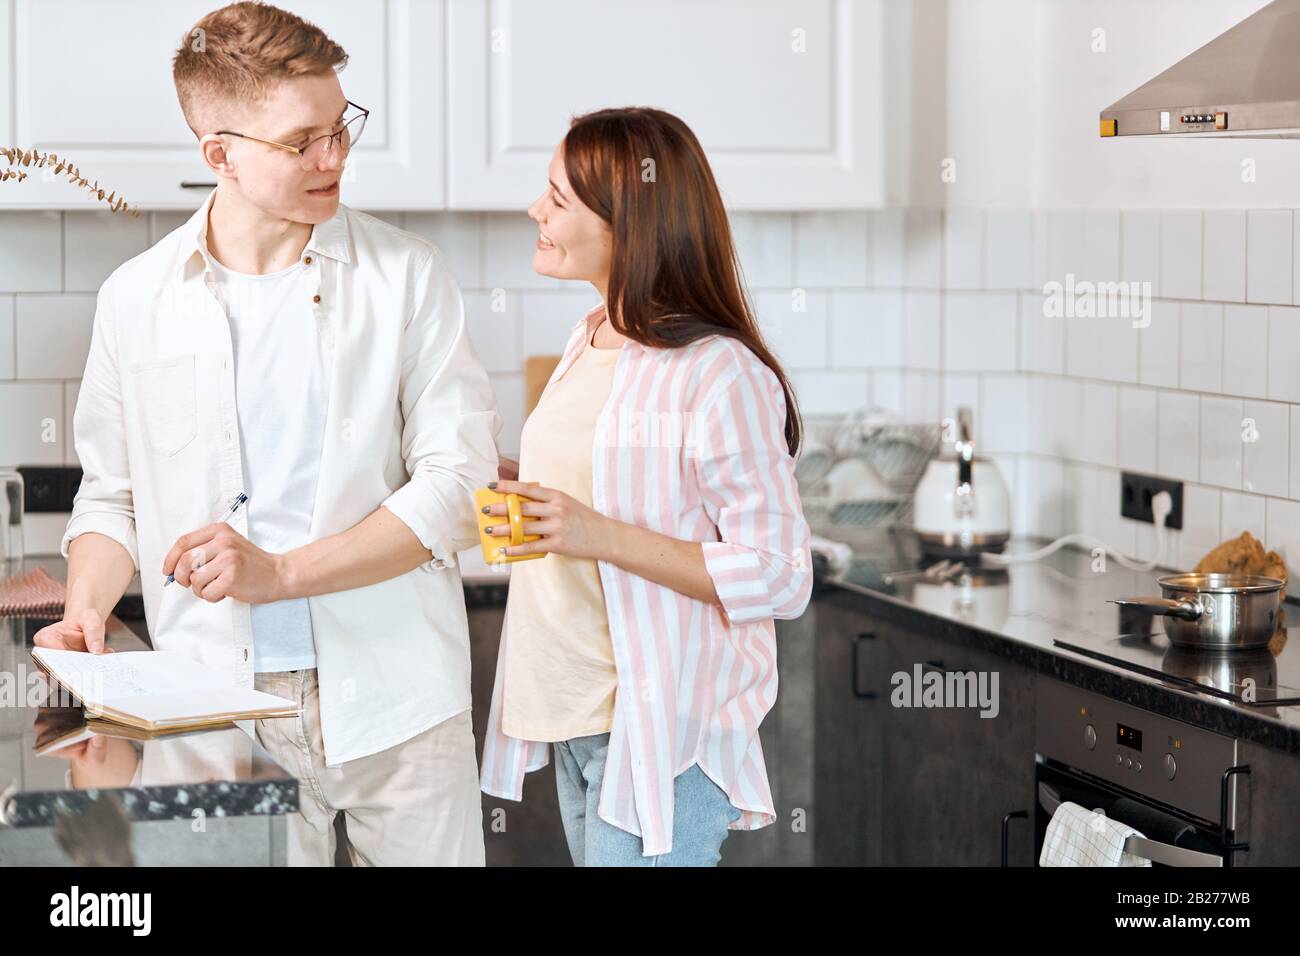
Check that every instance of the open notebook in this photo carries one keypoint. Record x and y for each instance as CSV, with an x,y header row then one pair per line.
x,y
156,691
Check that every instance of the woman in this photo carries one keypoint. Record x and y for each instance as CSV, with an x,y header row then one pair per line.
x,y
659,461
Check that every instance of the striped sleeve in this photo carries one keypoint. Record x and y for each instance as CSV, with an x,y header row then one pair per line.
x,y
760,565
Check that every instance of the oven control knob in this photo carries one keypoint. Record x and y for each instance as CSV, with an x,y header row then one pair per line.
x,y
1090,736
1171,766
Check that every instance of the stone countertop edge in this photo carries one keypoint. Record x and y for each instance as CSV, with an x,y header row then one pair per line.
x,y
1129,687
216,799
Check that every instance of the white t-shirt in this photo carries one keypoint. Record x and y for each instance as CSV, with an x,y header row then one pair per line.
x,y
281,396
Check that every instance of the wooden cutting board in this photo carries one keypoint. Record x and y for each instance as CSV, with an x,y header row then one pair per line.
x,y
537,372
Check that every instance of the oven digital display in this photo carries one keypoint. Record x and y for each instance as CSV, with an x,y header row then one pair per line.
x,y
1128,736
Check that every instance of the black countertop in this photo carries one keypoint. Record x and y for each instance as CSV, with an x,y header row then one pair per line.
x,y
220,772
1018,614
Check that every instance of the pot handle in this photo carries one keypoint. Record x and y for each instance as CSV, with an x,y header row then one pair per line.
x,y
1186,610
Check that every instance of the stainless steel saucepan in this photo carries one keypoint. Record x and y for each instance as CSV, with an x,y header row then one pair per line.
x,y
1217,612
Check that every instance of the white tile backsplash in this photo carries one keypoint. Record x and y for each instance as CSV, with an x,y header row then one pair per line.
x,y
765,244
1268,256
1141,247
979,331
1220,454
1265,435
1136,415
1224,258
922,248
830,250
796,326
547,318
922,330
1178,434
1200,347
97,243
963,249
915,309
866,328
1283,349
53,334
1009,249
1201,530
31,427
1158,345
1239,512
459,237
888,240
31,251
1245,350
1180,254
493,320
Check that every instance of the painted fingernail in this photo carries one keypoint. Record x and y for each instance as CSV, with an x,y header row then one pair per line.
x,y
484,509
487,530
501,550
492,485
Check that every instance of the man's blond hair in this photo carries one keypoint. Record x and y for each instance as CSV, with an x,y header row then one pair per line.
x,y
234,54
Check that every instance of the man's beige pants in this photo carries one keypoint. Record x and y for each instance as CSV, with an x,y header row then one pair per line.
x,y
415,804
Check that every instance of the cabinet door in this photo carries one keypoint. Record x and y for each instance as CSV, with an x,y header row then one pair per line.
x,y
787,737
851,714
950,774
1267,798
784,95
92,82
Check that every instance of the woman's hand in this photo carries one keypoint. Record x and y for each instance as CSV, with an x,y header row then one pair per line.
x,y
567,525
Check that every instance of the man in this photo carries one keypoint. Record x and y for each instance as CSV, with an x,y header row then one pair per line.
x,y
316,359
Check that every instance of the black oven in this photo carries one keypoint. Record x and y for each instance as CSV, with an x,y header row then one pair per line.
x,y
1176,784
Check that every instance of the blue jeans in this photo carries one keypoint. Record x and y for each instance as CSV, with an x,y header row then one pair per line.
x,y
701,812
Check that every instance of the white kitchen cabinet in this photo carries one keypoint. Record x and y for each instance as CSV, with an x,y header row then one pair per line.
x,y
786,96
92,82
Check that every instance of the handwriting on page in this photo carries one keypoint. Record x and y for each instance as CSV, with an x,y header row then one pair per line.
x,y
96,678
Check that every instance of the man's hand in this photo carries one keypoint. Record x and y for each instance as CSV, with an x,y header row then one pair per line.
x,y
83,632
217,562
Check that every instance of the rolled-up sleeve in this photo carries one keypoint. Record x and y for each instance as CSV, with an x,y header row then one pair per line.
x,y
760,567
449,414
104,502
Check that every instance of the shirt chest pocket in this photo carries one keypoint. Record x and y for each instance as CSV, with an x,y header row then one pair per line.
x,y
165,397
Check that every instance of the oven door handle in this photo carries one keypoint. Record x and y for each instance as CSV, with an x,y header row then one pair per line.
x,y
1165,854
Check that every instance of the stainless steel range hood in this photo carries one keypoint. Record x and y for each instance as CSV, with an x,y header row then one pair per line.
x,y
1243,83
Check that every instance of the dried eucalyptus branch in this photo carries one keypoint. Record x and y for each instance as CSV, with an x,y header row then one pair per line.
x,y
19,157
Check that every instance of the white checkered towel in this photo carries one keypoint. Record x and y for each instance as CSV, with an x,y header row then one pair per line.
x,y
1079,837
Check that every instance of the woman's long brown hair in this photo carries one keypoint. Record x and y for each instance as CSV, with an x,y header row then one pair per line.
x,y
674,275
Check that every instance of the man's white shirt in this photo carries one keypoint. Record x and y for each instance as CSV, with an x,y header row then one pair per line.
x,y
281,395
410,424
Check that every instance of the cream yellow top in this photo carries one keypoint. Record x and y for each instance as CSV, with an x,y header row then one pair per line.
x,y
560,678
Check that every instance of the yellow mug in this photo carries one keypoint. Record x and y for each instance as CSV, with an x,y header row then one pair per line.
x,y
514,513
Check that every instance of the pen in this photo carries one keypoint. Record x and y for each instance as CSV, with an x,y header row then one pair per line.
x,y
239,500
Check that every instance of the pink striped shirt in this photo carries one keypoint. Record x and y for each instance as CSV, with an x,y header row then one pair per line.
x,y
690,444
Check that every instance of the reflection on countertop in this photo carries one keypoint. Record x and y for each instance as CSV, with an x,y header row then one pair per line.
x,y
51,760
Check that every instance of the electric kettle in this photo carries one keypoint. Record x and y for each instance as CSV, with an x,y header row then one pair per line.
x,y
961,506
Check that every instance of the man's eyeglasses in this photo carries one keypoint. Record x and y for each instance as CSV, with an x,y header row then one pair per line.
x,y
312,153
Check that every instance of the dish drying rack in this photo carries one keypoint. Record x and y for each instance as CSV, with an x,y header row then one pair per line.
x,y
858,472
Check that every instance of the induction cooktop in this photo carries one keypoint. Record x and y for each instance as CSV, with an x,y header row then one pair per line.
x,y
1263,677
